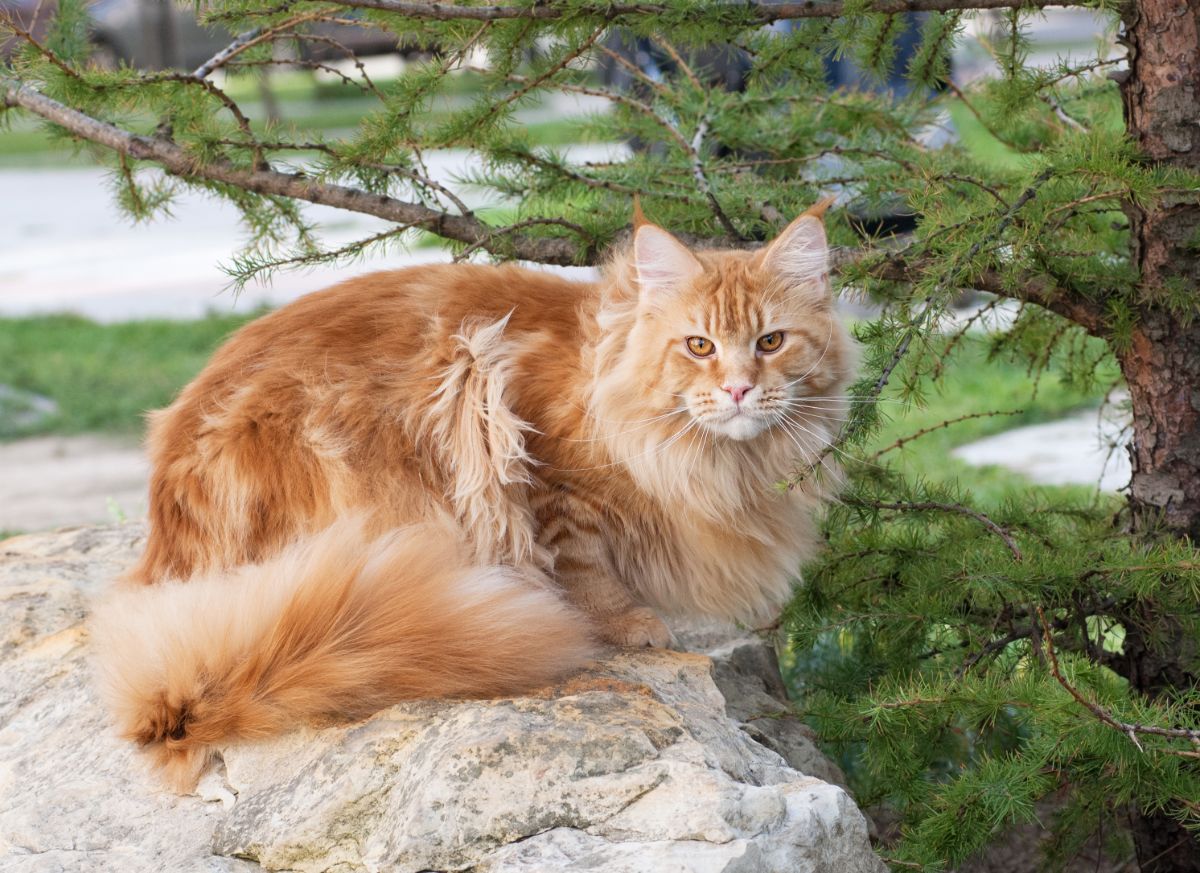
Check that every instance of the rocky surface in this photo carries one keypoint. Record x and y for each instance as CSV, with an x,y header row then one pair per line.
x,y
637,765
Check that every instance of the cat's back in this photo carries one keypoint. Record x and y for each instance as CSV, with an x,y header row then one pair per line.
x,y
407,311
371,342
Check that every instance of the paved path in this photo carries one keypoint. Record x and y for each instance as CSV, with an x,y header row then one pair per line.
x,y
52,482
66,247
1072,451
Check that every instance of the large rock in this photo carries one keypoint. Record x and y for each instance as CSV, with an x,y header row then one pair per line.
x,y
634,766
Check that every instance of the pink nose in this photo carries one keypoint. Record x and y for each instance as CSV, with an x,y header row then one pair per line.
x,y
737,392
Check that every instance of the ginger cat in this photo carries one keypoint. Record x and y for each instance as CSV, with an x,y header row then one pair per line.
x,y
457,480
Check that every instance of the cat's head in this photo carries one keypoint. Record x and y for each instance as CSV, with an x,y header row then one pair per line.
x,y
744,344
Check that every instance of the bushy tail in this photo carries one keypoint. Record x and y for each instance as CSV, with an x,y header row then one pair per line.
x,y
338,625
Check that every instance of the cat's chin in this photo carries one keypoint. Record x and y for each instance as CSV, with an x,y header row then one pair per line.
x,y
738,427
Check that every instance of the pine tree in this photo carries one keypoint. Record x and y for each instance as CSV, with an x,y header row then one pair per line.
x,y
970,662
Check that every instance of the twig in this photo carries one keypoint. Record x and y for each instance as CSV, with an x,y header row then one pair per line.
x,y
10,23
487,241
933,506
634,70
240,43
695,147
679,61
951,421
911,865
332,255
249,39
1060,113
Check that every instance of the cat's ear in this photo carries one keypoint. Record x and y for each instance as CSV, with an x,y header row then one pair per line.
x,y
801,253
663,263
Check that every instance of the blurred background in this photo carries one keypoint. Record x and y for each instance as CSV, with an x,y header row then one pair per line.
x,y
102,319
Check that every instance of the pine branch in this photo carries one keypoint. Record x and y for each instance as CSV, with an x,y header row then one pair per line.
x,y
178,162
468,229
702,183
760,10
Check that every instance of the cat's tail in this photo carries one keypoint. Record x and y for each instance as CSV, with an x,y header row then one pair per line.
x,y
339,625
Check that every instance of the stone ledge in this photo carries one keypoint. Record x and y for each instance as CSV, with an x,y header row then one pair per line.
x,y
637,765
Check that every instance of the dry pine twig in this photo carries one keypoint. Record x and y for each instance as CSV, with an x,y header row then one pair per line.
x,y
1130,729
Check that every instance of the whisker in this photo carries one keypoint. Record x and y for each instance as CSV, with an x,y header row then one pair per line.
x,y
652,451
830,444
834,399
824,351
641,423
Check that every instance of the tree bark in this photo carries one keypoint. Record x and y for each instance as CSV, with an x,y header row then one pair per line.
x,y
1162,363
1162,369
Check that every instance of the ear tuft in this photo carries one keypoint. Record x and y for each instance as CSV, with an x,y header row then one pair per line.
x,y
639,217
663,263
801,253
818,209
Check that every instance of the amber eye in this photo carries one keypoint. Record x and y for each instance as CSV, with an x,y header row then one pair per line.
x,y
700,346
771,342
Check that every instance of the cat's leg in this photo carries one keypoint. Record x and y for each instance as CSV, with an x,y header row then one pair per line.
x,y
582,568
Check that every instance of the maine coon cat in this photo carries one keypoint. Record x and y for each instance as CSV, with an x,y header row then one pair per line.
x,y
460,480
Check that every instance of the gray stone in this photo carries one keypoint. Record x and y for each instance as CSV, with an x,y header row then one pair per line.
x,y
23,411
633,766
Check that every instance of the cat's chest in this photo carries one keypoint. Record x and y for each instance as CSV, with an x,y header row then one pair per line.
x,y
741,566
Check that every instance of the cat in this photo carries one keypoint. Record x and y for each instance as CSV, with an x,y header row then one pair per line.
x,y
463,480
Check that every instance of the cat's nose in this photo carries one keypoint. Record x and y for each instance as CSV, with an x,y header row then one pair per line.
x,y
737,392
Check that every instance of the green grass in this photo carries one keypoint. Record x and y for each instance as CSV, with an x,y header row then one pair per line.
x,y
982,145
974,384
104,377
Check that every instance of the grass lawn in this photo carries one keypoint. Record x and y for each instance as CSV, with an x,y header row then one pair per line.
x,y
104,377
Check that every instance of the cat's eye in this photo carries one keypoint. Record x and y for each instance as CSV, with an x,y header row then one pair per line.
x,y
771,342
700,346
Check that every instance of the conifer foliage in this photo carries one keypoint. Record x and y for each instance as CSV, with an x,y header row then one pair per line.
x,y
976,665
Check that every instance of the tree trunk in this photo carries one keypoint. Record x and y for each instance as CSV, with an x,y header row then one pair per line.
x,y
1162,369
1162,364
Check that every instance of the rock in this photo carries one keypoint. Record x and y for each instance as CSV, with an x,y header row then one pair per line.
x,y
633,766
23,411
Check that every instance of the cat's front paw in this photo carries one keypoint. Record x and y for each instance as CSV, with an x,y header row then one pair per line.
x,y
636,628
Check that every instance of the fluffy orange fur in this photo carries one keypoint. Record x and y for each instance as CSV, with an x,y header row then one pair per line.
x,y
452,480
